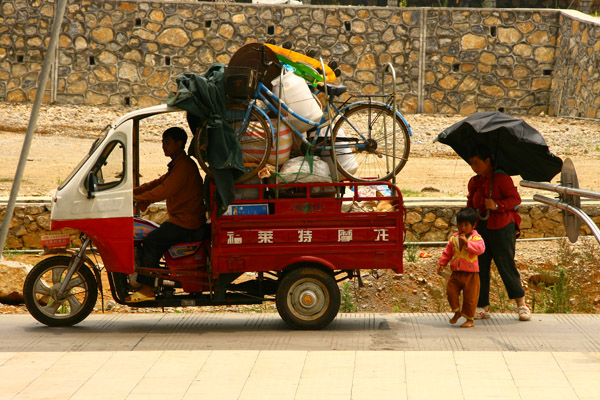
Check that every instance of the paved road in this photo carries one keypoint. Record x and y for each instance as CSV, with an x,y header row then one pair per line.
x,y
254,356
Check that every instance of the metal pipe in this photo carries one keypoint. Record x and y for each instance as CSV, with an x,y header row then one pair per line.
x,y
579,213
39,96
332,152
389,66
74,266
560,189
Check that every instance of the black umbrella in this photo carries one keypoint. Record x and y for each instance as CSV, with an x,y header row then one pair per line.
x,y
516,147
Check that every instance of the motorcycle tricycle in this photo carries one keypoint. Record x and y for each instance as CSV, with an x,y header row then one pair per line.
x,y
288,243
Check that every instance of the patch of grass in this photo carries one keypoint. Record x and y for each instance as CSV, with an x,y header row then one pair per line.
x,y
411,193
411,251
573,283
347,301
6,180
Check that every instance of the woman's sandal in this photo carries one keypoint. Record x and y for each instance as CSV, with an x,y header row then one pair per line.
x,y
524,313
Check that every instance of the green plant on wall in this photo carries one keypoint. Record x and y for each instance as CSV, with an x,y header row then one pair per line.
x,y
402,3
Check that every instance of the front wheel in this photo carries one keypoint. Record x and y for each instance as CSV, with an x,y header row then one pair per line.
x,y
47,305
367,146
308,298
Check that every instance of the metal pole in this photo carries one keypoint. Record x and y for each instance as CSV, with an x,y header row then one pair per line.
x,y
561,189
39,96
579,213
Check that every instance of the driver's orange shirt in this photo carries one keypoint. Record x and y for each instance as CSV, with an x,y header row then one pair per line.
x,y
182,188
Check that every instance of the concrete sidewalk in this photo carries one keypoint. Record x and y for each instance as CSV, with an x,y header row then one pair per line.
x,y
254,356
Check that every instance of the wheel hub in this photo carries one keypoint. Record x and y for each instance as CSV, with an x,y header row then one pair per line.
x,y
370,145
308,299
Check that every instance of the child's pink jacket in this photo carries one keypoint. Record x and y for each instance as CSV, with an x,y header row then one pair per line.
x,y
465,259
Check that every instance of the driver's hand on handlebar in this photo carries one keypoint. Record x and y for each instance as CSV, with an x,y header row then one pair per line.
x,y
142,205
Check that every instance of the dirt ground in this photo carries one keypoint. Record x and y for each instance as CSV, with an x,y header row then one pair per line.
x,y
65,133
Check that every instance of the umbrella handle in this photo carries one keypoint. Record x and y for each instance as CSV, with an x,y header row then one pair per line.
x,y
486,216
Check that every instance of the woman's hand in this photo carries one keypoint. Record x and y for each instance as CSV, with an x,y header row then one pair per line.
x,y
490,204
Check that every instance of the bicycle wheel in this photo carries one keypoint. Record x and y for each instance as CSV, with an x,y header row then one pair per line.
x,y
255,137
363,141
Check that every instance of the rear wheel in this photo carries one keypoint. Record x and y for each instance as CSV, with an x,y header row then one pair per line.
x,y
308,298
364,143
47,305
254,135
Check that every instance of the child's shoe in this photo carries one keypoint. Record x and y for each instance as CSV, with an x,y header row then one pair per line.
x,y
482,313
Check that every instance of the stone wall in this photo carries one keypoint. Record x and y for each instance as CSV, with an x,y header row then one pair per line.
x,y
423,223
576,83
489,60
446,60
432,224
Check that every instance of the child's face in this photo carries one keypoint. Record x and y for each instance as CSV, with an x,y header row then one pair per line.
x,y
465,228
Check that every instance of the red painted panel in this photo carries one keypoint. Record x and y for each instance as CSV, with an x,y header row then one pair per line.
x,y
112,236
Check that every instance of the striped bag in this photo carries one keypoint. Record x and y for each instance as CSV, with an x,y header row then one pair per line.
x,y
252,145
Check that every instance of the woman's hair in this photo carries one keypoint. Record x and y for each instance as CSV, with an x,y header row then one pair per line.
x,y
467,215
482,152
176,133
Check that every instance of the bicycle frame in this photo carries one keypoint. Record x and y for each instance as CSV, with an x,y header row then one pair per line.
x,y
269,98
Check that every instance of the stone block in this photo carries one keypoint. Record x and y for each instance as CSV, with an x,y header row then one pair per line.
x,y
16,96
448,82
435,235
43,221
473,42
32,240
544,54
103,34
12,277
174,37
509,35
13,243
539,37
523,50
92,98
157,15
420,228
429,217
440,223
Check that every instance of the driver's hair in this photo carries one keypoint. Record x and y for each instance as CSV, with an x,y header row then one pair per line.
x,y
177,134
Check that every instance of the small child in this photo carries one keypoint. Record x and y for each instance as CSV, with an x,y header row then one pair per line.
x,y
461,252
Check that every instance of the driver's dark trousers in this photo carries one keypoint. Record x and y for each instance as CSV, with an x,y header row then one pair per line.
x,y
159,241
499,246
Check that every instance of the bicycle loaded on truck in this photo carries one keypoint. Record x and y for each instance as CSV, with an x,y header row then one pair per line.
x,y
289,238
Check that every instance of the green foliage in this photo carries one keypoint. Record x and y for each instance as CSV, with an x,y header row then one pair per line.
x,y
347,300
411,251
573,284
410,193
402,3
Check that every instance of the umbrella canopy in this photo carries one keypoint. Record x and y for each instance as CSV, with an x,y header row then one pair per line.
x,y
516,147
